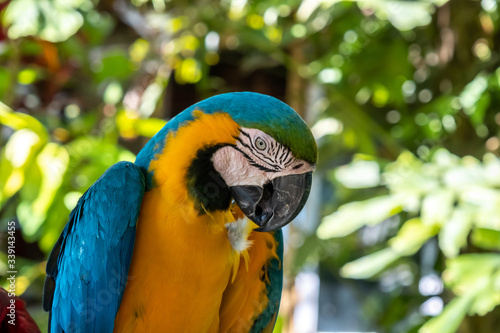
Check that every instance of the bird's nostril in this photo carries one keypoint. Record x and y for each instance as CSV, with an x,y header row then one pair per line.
x,y
268,190
258,211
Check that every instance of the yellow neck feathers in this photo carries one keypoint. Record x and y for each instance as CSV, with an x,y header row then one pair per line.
x,y
171,166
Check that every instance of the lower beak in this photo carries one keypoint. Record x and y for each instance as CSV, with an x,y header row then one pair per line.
x,y
277,203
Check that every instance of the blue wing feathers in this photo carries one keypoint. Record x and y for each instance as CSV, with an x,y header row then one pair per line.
x,y
87,269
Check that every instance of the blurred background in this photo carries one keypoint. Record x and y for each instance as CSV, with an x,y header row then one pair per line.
x,y
402,229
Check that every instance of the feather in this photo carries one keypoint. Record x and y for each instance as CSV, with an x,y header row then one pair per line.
x,y
87,269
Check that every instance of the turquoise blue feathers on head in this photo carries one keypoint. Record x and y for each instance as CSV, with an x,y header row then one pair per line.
x,y
249,110
268,114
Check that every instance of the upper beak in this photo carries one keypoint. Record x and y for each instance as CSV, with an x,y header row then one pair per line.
x,y
277,203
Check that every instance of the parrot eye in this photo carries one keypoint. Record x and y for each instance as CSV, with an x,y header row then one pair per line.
x,y
260,144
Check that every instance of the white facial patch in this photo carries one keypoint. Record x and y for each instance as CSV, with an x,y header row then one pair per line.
x,y
256,159
238,232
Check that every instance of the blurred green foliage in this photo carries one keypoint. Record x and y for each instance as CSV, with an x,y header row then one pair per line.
x,y
448,196
407,91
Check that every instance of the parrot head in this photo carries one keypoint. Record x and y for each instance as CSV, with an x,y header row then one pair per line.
x,y
265,164
266,180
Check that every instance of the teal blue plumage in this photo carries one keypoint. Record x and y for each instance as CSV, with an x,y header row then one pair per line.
x,y
87,269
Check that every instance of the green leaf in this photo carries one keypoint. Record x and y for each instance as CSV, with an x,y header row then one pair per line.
x,y
5,80
370,265
480,108
52,20
486,238
477,277
444,159
437,206
487,217
53,161
412,235
359,174
404,16
97,26
454,232
17,157
473,92
465,176
150,126
18,120
463,272
487,295
352,216
491,170
449,320
410,178
115,64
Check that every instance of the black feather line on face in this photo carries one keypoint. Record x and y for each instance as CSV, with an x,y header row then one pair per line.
x,y
282,155
288,163
281,152
251,141
263,157
253,163
262,168
256,152
246,134
283,159
253,150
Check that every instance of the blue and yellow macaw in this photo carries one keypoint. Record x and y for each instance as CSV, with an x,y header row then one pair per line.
x,y
187,238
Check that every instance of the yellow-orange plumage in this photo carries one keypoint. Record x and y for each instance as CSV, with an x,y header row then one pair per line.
x,y
245,298
180,275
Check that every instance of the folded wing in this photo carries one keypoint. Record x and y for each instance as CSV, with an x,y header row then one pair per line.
x,y
88,267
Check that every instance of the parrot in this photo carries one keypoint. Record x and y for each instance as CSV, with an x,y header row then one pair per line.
x,y
188,237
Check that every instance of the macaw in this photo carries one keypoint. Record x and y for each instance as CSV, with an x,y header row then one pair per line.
x,y
188,238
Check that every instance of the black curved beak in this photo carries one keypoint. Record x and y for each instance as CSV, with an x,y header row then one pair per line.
x,y
277,203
